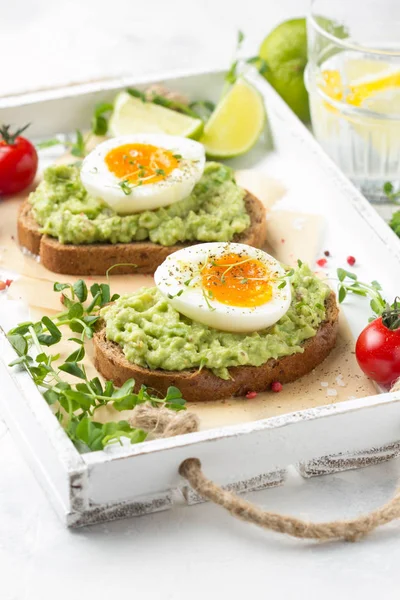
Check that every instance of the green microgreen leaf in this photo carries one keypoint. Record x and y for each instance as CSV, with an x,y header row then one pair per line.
x,y
75,311
354,286
73,369
59,287
99,121
19,343
342,293
76,402
125,389
51,396
390,193
259,63
126,186
77,355
78,148
230,76
173,393
21,329
136,94
80,290
83,400
54,335
48,144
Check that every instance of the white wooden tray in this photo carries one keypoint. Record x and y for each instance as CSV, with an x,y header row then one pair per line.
x,y
134,480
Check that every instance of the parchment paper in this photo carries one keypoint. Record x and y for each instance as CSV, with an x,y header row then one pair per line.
x,y
290,236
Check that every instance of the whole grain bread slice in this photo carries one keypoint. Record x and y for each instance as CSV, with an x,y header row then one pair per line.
x,y
199,386
95,259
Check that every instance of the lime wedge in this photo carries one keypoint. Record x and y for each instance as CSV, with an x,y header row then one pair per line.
x,y
132,115
236,123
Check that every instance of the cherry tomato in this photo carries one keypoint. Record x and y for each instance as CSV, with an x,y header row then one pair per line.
x,y
18,161
378,352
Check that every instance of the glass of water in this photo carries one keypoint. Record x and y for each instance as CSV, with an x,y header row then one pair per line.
x,y
353,80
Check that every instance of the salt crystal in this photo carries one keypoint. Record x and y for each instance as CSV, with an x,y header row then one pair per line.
x,y
331,392
324,383
339,381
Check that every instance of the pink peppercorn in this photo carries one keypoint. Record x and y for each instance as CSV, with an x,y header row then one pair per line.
x,y
351,260
251,395
276,386
321,262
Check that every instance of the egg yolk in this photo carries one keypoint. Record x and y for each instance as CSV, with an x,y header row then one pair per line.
x,y
141,164
237,280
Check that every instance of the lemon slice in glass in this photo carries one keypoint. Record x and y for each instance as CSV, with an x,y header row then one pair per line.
x,y
236,123
131,115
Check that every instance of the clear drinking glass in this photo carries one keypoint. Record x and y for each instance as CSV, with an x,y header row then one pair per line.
x,y
353,80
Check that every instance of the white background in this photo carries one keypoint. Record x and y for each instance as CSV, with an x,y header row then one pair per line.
x,y
197,552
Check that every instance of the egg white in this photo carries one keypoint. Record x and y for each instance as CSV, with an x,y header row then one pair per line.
x,y
101,183
188,299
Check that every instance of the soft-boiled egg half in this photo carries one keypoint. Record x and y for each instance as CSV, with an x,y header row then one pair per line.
x,y
140,172
227,286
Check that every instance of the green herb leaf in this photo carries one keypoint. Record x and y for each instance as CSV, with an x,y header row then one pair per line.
x,y
22,328
173,393
126,187
126,403
59,287
73,369
51,396
75,311
77,356
230,76
109,388
388,188
124,389
136,94
99,121
83,400
78,148
80,290
173,105
90,433
376,285
342,293
48,144
19,343
54,333
96,386
259,63
76,340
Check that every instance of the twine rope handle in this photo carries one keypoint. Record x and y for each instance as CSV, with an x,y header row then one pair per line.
x,y
350,530
163,422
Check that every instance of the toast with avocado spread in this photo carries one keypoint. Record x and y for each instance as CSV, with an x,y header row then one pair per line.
x,y
133,341
76,234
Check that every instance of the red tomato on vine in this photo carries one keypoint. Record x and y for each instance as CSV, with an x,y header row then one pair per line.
x,y
378,347
18,161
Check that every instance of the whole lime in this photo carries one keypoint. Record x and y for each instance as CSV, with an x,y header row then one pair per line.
x,y
285,53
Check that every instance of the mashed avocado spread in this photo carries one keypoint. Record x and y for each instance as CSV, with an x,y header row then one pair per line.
x,y
153,334
214,212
